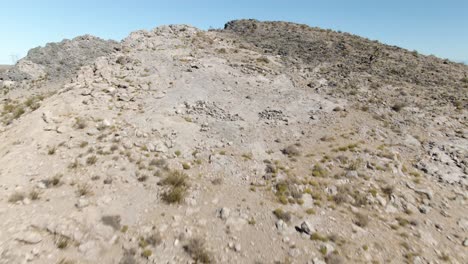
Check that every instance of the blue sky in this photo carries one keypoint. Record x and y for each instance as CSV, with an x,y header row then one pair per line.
x,y
430,27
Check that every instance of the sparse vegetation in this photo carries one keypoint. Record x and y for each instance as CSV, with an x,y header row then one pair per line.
x,y
263,60
155,239
34,195
51,150
83,189
196,249
280,214
80,123
247,156
62,241
177,182
317,237
91,160
146,253
291,151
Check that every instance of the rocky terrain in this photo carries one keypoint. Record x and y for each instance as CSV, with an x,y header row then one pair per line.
x,y
58,61
263,142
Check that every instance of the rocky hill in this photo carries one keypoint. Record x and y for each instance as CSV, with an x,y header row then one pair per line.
x,y
263,142
58,61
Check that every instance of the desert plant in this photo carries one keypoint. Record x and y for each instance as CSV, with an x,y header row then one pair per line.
x,y
263,60
83,189
80,123
196,249
34,195
142,178
61,241
318,171
155,239
247,156
51,150
291,150
174,194
74,164
160,163
178,186
91,160
282,215
146,253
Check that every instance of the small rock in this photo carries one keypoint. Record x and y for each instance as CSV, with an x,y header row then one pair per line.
x,y
150,147
294,252
29,237
235,224
237,247
332,190
108,180
463,223
281,225
86,92
424,209
381,200
26,201
160,147
352,174
224,213
82,203
465,242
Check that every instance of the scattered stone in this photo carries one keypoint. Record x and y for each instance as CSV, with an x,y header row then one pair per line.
x,y
82,203
224,213
281,225
352,174
305,228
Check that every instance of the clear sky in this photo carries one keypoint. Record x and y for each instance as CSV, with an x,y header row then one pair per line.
x,y
438,27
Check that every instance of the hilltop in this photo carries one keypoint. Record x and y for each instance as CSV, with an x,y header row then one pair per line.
x,y
263,142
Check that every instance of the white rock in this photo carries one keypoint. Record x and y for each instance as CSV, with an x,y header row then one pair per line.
x,y
237,247
294,252
29,237
26,201
82,203
160,147
352,174
281,225
224,213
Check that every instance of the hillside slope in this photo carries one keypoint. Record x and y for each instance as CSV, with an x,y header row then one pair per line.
x,y
264,142
57,61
